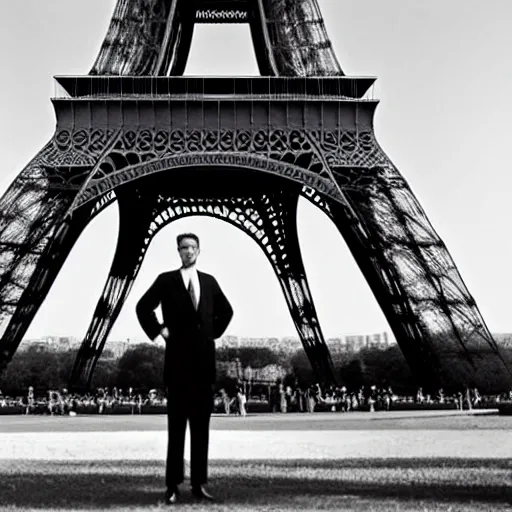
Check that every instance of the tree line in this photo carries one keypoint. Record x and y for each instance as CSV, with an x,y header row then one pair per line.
x,y
141,368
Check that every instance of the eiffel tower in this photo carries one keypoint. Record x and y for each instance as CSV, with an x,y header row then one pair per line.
x,y
164,146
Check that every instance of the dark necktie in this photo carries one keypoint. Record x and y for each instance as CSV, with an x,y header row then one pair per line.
x,y
192,293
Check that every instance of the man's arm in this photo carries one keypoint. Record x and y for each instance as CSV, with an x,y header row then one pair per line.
x,y
146,310
222,311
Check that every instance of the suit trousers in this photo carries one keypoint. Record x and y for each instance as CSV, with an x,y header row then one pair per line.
x,y
192,403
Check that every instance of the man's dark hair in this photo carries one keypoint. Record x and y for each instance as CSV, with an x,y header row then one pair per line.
x,y
179,238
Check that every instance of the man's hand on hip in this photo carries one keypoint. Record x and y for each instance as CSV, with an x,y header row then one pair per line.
x,y
162,338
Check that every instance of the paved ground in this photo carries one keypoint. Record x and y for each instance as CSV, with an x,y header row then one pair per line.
x,y
401,420
291,436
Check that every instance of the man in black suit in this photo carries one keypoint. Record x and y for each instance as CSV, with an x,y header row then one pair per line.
x,y
195,312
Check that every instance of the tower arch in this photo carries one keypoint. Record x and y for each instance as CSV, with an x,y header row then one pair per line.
x,y
266,214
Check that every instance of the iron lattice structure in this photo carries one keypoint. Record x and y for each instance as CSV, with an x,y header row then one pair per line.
x,y
164,146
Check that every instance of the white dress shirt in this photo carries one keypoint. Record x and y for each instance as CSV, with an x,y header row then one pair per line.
x,y
190,273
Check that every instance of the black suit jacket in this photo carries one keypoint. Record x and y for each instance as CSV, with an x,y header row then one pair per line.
x,y
190,349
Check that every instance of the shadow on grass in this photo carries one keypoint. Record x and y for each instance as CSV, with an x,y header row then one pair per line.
x,y
297,483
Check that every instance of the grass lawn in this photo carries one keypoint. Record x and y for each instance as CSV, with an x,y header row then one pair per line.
x,y
278,485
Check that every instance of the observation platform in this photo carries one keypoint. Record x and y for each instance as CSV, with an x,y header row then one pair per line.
x,y
214,102
190,87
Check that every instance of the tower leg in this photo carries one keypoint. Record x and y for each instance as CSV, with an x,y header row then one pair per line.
x,y
387,290
435,320
37,232
35,240
134,221
147,38
281,245
42,275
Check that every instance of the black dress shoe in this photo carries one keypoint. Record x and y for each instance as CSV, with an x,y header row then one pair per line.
x,y
201,493
171,496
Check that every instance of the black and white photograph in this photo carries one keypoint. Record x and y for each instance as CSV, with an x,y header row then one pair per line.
x,y
255,255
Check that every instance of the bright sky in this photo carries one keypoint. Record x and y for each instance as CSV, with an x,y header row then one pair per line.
x,y
444,75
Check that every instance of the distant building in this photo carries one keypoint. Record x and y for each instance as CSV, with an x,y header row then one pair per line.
x,y
337,345
503,339
25,344
51,343
40,346
117,348
271,343
354,343
288,344
379,340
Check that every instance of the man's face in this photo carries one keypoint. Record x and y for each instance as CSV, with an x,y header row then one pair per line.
x,y
189,251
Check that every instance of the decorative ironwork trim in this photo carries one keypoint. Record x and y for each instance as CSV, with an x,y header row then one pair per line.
x,y
224,159
222,16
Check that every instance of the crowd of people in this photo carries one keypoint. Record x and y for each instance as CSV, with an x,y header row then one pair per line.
x,y
339,398
245,398
63,402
